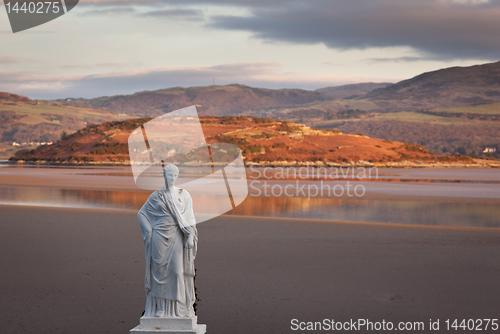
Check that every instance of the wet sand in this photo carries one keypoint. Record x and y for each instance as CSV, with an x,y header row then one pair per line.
x,y
81,271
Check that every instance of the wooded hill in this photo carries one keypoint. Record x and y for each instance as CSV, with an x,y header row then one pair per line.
x,y
261,140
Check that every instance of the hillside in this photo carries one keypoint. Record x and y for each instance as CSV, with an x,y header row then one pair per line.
x,y
28,122
7,98
352,91
445,88
450,111
210,101
261,140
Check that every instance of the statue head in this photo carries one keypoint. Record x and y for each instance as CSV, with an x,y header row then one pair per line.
x,y
170,174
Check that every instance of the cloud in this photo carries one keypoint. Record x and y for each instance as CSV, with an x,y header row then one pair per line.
x,y
114,10
437,29
28,32
266,75
173,13
9,60
98,65
466,2
398,59
111,8
16,60
274,3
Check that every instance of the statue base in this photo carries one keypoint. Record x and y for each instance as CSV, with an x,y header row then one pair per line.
x,y
151,325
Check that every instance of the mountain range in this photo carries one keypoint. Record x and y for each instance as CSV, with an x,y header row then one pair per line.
x,y
230,100
450,111
352,91
445,88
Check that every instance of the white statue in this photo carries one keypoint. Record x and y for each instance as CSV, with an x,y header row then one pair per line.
x,y
170,241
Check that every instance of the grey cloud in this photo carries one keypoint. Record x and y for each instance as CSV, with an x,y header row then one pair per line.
x,y
127,7
291,3
399,59
115,10
244,3
173,13
90,66
438,29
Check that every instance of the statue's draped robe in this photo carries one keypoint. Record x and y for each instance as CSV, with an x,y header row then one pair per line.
x,y
169,280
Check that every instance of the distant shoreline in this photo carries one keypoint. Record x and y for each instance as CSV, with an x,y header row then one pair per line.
x,y
478,163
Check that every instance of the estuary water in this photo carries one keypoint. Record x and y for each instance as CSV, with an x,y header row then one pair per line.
x,y
452,197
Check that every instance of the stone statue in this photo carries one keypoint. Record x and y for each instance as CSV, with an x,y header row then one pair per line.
x,y
170,243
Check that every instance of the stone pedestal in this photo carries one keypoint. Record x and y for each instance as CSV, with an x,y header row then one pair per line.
x,y
152,325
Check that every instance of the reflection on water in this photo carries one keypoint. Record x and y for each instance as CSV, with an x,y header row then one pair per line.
x,y
72,198
478,214
473,214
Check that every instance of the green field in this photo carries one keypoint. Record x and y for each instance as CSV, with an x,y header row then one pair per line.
x,y
6,151
411,116
486,109
406,116
42,112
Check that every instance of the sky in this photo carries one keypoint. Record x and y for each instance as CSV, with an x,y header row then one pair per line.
x,y
114,47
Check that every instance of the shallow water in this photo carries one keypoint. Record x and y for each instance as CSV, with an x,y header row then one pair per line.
x,y
443,213
459,197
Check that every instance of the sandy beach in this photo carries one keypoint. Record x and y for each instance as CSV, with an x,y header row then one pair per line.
x,y
81,271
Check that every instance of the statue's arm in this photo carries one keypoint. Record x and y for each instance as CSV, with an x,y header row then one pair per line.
x,y
147,232
146,228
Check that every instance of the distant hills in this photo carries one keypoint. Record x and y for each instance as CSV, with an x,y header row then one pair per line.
x,y
352,91
450,111
211,100
446,88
